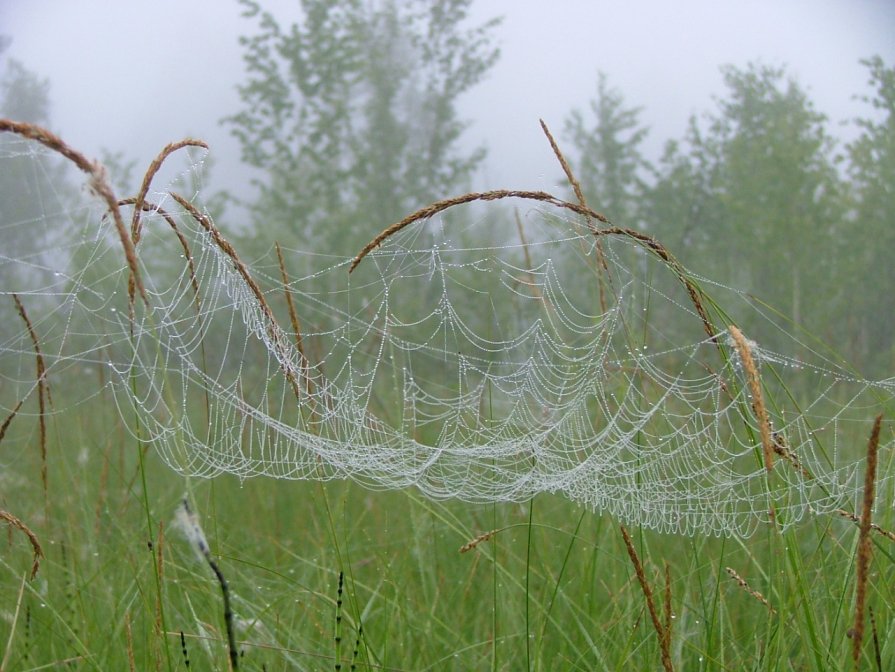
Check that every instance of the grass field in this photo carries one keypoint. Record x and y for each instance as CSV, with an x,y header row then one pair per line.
x,y
121,588
307,575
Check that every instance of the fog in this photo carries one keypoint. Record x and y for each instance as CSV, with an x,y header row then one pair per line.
x,y
130,77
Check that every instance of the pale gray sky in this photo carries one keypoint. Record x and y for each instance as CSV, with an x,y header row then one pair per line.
x,y
134,75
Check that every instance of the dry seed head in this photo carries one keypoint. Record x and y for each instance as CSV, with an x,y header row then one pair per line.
x,y
482,538
745,586
873,526
744,349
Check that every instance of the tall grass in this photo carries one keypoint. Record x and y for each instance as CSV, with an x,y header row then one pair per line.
x,y
332,576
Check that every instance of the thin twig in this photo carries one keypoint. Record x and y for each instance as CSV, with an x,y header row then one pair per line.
x,y
567,169
745,586
148,176
188,255
41,395
9,418
579,194
482,538
36,550
293,318
873,526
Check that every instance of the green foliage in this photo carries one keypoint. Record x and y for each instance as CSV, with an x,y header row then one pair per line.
x,y
351,115
751,190
554,576
871,314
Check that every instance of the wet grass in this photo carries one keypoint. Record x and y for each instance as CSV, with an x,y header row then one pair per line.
x,y
554,588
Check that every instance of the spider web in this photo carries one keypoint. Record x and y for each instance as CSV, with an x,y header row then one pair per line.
x,y
472,355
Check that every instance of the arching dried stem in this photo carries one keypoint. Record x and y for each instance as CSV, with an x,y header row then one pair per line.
x,y
888,534
148,176
188,255
663,633
481,539
36,550
98,184
742,583
579,194
273,329
650,243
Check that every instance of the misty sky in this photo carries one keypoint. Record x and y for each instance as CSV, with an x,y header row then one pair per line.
x,y
132,76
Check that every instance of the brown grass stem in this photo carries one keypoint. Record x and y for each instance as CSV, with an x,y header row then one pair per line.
x,y
9,419
188,255
873,526
42,392
663,633
481,539
579,195
36,551
567,169
98,183
864,544
293,319
273,329
782,449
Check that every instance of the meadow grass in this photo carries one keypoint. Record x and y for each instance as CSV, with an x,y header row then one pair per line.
x,y
329,575
553,588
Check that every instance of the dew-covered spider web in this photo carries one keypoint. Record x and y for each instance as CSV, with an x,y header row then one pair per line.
x,y
487,353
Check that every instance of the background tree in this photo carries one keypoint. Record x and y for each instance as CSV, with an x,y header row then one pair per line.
x,y
609,163
778,190
759,197
869,244
34,196
351,114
